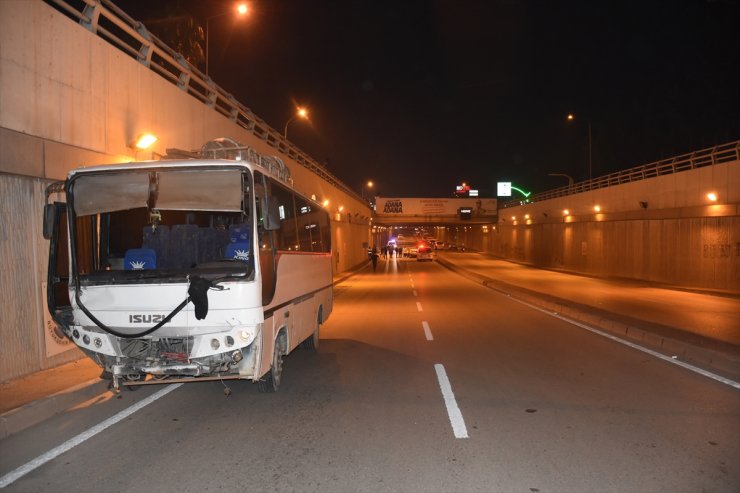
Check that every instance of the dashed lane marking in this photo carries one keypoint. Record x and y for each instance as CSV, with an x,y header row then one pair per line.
x,y
427,330
453,411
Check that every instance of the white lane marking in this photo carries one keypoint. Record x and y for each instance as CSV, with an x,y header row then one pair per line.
x,y
453,411
39,461
695,369
427,330
415,293
418,306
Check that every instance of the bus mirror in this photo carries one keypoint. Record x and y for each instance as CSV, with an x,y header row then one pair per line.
x,y
271,210
49,217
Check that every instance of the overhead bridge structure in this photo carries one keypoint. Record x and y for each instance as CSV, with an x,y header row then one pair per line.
x,y
400,211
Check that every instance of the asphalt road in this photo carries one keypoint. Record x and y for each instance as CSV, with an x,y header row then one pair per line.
x,y
534,404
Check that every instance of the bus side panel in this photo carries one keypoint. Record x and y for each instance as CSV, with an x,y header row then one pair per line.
x,y
303,279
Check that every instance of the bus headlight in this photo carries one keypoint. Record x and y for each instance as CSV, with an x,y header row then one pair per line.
x,y
246,335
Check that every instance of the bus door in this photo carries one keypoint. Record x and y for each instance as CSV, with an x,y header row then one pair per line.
x,y
57,288
266,245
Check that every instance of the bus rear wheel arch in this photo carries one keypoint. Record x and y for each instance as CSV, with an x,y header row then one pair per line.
x,y
312,342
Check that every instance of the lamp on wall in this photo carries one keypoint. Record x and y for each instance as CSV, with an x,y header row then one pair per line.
x,y
143,141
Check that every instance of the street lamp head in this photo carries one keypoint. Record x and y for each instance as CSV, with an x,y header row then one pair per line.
x,y
570,117
241,9
300,112
369,184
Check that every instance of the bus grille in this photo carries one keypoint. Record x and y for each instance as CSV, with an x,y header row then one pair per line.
x,y
165,349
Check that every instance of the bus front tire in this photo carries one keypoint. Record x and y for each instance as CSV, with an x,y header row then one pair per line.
x,y
270,382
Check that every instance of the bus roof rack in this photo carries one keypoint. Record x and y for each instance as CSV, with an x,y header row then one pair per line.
x,y
228,148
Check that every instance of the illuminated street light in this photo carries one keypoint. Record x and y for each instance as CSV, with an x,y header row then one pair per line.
x,y
367,185
241,9
301,112
571,117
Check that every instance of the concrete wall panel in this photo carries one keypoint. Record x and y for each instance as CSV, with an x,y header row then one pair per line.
x,y
694,243
24,254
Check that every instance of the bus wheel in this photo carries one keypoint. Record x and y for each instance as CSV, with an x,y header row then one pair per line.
x,y
312,342
271,380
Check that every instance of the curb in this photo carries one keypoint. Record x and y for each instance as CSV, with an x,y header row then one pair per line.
x,y
706,353
35,412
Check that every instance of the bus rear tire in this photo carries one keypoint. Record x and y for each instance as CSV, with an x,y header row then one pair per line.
x,y
312,342
270,382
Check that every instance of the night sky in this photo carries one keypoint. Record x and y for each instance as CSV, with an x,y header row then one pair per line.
x,y
422,95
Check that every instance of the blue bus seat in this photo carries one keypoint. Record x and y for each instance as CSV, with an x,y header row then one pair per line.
x,y
238,251
140,259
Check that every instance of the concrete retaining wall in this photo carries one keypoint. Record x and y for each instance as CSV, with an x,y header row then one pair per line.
x,y
676,236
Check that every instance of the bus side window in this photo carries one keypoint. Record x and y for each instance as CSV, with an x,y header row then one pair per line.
x,y
287,235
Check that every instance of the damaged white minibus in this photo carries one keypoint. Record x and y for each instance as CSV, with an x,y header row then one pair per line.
x,y
207,267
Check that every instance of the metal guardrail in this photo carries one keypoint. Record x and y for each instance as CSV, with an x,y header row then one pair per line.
x,y
698,159
108,21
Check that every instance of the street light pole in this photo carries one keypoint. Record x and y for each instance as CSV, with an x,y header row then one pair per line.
x,y
300,113
590,167
572,117
570,179
241,9
369,184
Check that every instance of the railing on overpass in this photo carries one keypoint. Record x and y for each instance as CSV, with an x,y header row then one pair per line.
x,y
698,159
108,21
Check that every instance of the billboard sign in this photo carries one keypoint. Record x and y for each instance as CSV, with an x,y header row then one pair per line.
x,y
479,207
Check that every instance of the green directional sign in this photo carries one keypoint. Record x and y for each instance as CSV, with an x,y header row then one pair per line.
x,y
526,194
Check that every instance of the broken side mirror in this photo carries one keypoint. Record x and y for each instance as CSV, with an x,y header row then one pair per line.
x,y
271,210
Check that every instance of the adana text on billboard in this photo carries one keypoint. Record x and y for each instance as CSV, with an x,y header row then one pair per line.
x,y
438,207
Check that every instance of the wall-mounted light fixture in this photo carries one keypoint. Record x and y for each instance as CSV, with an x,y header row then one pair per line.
x,y
712,197
566,212
597,208
144,141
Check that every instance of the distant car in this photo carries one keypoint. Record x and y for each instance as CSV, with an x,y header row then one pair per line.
x,y
424,252
413,252
452,246
441,245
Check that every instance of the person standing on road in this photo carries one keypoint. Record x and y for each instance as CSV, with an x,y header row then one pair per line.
x,y
374,257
